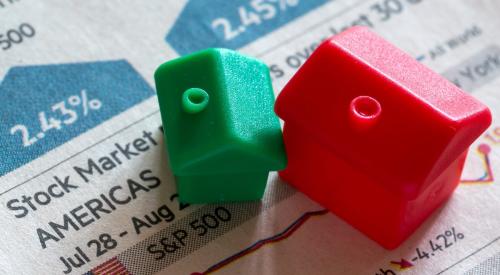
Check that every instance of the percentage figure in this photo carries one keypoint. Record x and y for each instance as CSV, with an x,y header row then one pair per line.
x,y
456,236
59,116
83,101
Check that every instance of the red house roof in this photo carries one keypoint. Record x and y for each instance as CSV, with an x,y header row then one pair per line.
x,y
421,124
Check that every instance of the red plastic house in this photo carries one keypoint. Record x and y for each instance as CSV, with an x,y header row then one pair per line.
x,y
375,136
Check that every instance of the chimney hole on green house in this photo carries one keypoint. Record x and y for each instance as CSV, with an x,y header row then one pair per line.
x,y
194,100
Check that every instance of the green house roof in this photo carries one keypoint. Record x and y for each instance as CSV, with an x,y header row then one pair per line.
x,y
217,111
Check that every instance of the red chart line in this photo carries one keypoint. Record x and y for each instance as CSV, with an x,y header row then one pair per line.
x,y
289,230
484,151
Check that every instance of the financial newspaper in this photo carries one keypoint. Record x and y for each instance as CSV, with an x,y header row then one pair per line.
x,y
85,185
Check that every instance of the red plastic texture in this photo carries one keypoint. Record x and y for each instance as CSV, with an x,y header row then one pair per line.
x,y
375,136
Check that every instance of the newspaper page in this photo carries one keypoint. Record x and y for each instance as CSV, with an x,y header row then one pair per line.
x,y
85,186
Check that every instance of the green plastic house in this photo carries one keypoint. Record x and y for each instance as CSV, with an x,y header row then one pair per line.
x,y
222,135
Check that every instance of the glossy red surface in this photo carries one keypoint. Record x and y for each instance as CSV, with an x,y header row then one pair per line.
x,y
375,136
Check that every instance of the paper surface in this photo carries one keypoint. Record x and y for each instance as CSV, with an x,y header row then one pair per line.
x,y
85,184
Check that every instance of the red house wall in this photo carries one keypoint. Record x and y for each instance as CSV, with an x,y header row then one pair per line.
x,y
356,197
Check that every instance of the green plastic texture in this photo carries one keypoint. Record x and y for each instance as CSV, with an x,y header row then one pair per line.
x,y
194,100
221,132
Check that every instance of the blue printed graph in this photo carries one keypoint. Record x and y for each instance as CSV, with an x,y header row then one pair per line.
x,y
45,106
232,24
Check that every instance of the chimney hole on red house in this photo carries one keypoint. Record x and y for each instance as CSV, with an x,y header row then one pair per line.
x,y
364,111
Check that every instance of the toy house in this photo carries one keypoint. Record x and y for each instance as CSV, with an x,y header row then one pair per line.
x,y
375,136
221,132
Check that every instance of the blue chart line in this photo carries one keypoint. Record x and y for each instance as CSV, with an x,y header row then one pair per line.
x,y
260,243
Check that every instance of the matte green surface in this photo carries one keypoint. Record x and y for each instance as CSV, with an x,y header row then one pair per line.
x,y
236,133
248,186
